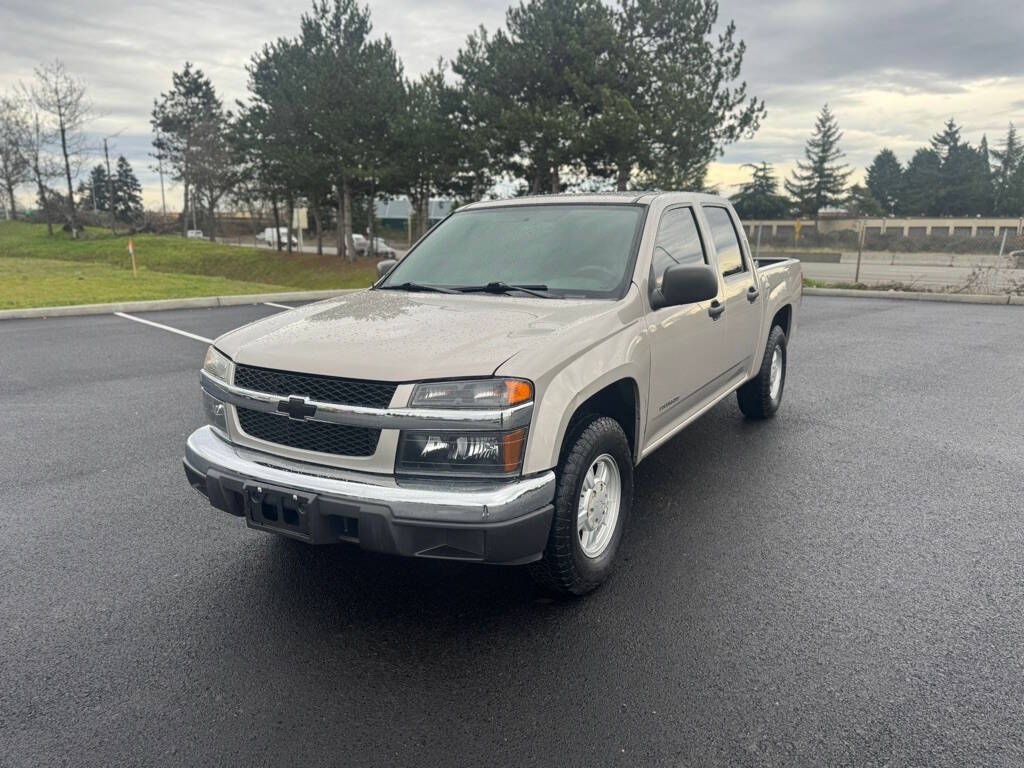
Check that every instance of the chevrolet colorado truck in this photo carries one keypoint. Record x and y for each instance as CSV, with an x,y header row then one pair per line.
x,y
490,396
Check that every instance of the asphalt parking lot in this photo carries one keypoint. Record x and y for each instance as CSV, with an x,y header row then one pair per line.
x,y
843,585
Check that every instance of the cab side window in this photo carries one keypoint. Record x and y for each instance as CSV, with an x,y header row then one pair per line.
x,y
678,242
726,240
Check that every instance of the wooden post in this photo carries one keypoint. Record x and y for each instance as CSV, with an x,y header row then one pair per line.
x,y
860,247
131,250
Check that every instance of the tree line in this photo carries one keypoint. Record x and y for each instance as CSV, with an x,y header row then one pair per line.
x,y
43,142
633,95
949,177
568,94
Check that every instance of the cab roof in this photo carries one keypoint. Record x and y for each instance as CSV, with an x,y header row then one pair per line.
x,y
628,198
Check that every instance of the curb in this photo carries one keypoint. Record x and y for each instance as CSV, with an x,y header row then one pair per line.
x,y
952,298
201,302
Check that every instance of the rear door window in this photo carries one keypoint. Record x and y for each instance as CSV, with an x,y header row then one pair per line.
x,y
726,240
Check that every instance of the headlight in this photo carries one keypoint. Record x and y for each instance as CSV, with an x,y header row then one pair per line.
x,y
481,393
216,364
469,454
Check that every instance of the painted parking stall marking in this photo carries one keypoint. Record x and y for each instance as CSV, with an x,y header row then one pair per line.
x,y
163,327
186,334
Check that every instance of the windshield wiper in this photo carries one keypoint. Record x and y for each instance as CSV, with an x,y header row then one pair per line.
x,y
419,287
534,290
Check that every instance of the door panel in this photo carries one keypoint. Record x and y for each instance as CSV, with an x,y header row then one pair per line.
x,y
686,343
742,316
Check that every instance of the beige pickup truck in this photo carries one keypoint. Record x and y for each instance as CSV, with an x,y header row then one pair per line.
x,y
490,396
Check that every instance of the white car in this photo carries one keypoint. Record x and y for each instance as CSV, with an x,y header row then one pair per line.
x,y
195,234
270,236
380,248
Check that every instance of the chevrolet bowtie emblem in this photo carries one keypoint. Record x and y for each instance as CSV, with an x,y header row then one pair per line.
x,y
297,408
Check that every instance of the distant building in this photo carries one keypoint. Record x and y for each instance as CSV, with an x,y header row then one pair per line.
x,y
396,213
894,226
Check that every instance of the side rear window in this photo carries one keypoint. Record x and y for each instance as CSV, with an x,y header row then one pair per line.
x,y
727,241
678,242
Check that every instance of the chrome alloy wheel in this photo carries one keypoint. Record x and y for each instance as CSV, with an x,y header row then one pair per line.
x,y
775,377
598,510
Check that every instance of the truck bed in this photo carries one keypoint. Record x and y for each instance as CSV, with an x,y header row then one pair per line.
x,y
781,283
764,262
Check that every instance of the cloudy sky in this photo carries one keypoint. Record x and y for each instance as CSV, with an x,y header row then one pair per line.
x,y
893,71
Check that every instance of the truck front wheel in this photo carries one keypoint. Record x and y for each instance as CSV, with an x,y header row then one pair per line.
x,y
592,501
759,398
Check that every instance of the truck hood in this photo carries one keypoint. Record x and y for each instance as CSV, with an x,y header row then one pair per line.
x,y
390,335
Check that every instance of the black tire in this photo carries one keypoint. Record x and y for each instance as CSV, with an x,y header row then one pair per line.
x,y
755,397
565,568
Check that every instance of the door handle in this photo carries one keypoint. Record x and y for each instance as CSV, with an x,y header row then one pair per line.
x,y
716,309
752,294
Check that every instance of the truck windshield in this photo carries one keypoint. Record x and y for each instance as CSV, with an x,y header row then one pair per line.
x,y
563,249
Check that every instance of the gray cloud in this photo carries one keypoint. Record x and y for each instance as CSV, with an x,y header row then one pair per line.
x,y
893,71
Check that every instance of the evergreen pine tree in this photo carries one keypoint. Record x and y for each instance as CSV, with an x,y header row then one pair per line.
x,y
759,198
820,180
885,180
963,185
93,192
860,202
921,184
947,140
127,203
980,199
1008,177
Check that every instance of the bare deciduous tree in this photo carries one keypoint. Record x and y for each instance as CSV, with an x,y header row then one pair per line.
x,y
62,100
42,165
14,169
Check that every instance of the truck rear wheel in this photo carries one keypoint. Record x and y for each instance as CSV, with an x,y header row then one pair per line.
x,y
760,397
592,502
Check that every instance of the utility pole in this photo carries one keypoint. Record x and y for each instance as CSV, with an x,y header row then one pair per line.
x,y
160,169
110,182
110,188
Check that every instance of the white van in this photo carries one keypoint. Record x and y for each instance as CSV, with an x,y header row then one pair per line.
x,y
270,236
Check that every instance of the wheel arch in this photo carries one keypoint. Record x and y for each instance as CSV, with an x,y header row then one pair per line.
x,y
783,318
619,400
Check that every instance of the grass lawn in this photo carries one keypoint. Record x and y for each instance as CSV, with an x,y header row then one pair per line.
x,y
51,283
37,270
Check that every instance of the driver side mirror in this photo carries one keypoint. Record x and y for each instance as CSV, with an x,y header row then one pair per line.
x,y
383,267
685,284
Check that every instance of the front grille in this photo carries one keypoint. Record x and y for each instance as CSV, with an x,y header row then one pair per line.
x,y
326,389
319,436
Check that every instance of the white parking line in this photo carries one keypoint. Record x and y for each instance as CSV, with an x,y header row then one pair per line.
x,y
165,327
282,306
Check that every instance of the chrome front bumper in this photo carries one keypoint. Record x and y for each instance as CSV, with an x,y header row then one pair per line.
x,y
489,521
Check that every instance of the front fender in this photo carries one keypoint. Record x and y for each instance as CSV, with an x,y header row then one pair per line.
x,y
565,375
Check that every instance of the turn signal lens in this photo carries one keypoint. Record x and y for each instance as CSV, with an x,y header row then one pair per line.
x,y
519,391
479,393
512,450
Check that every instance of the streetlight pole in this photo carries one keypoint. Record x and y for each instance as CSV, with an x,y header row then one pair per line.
x,y
160,170
860,247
